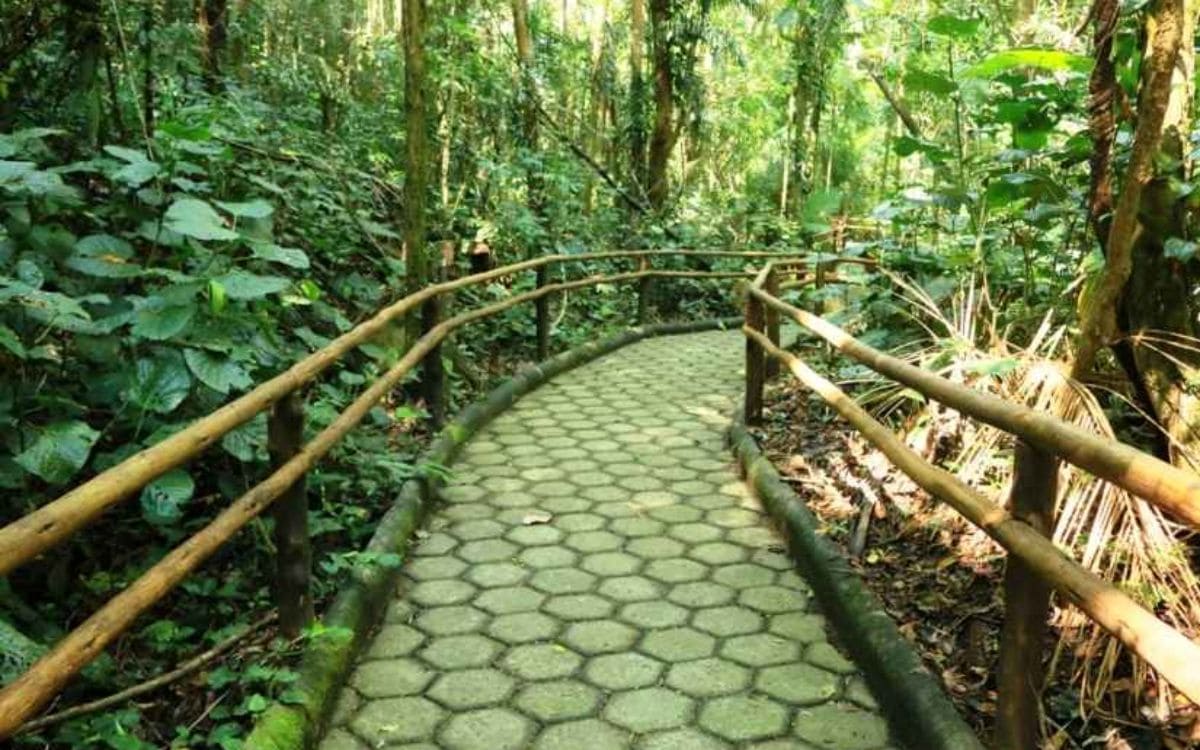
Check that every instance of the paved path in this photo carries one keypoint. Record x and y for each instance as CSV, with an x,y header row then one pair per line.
x,y
600,578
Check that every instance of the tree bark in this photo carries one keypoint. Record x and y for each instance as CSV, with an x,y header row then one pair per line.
x,y
416,256
662,140
529,107
213,17
637,96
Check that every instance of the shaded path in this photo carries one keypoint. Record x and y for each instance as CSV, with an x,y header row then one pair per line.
x,y
600,578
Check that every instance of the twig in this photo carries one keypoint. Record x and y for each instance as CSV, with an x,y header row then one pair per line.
x,y
189,667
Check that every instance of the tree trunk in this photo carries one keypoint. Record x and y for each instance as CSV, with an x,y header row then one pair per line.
x,y
662,140
637,96
529,107
213,17
1157,300
85,36
150,13
416,260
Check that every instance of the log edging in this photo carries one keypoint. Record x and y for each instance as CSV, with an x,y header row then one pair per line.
x,y
358,607
917,709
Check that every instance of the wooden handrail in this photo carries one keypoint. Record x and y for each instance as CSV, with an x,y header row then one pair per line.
x,y
56,521
1171,653
23,697
1168,487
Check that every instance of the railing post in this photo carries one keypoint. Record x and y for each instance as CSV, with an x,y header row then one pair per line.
x,y
293,553
433,374
644,291
755,364
542,305
772,321
1026,606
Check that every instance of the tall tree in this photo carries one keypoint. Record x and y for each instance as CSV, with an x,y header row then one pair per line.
x,y
417,262
662,140
213,18
637,96
529,104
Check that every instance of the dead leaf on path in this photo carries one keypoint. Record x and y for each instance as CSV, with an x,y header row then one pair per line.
x,y
536,517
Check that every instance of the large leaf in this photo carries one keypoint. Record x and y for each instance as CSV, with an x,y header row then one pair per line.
x,y
244,285
920,80
163,499
12,171
161,383
158,320
104,246
288,256
137,174
104,268
197,219
11,341
947,25
249,441
128,155
217,371
1051,60
59,452
255,209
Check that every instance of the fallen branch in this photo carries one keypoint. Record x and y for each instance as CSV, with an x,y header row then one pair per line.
x,y
189,667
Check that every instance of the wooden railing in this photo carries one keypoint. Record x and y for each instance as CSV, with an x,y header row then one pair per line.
x,y
1035,565
283,491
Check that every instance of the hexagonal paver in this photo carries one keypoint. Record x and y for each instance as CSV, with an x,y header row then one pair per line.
x,y
600,636
451,620
435,593
799,626
471,688
534,536
510,599
694,533
706,678
623,671
700,594
547,557
717,553
678,644
487,550
655,548
744,575
523,627
486,729
562,581
676,571
840,726
681,739
630,589
593,541
648,709
558,700
579,607
827,657
798,684
773,599
609,564
760,649
397,720
394,640
434,567
727,621
541,661
743,718
653,614
460,651
637,527
491,575
592,734
478,529
390,678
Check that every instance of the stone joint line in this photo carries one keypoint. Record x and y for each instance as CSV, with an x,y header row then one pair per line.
x,y
599,578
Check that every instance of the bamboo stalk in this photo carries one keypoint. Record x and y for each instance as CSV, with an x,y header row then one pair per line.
x,y
58,520
1171,653
21,698
1168,487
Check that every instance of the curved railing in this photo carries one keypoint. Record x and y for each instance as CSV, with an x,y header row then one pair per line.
x,y
57,521
1035,564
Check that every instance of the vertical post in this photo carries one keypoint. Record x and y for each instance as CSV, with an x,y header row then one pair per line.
x,y
293,555
433,374
644,291
772,320
1026,604
755,365
542,305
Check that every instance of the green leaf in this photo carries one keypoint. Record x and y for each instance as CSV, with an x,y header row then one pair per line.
x,y
137,174
255,209
946,25
160,384
920,80
288,256
12,171
60,451
1051,60
197,219
163,499
1179,249
102,245
249,441
11,341
216,371
129,155
159,321
104,268
244,285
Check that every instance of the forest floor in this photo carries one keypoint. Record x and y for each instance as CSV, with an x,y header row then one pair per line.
x,y
939,579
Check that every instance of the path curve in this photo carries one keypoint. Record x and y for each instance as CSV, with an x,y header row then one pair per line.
x,y
600,578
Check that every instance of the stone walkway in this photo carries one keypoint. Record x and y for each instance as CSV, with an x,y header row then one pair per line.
x,y
600,578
